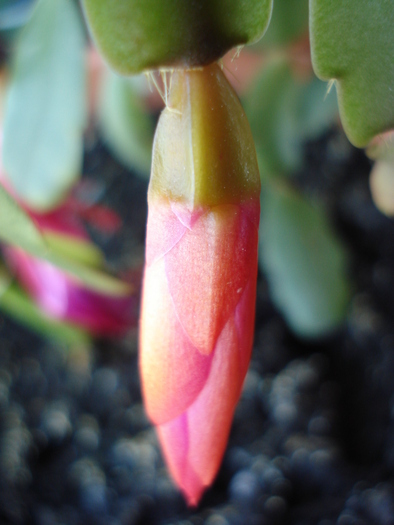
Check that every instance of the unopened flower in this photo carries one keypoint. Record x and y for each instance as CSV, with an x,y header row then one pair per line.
x,y
198,304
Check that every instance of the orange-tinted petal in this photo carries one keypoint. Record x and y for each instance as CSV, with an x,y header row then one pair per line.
x,y
173,371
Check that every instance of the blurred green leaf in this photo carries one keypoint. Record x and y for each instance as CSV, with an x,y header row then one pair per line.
x,y
264,106
82,260
80,250
288,23
284,112
353,42
14,13
303,261
16,227
135,35
45,109
15,303
126,127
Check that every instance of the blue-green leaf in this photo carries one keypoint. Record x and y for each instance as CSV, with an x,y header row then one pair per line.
x,y
284,111
45,108
127,129
14,13
304,263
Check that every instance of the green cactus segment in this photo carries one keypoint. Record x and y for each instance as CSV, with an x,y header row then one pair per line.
x,y
203,150
353,42
136,35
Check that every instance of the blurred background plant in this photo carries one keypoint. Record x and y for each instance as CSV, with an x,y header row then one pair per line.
x,y
46,210
57,94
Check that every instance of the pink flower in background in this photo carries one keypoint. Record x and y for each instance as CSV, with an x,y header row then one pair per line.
x,y
65,298
199,288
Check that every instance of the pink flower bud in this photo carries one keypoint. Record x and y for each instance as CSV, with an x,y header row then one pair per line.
x,y
199,289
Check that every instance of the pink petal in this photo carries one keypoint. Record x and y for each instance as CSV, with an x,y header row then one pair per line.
x,y
64,298
42,280
195,446
164,230
174,438
207,270
199,290
99,313
186,217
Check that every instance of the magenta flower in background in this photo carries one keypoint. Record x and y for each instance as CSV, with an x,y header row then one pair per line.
x,y
65,298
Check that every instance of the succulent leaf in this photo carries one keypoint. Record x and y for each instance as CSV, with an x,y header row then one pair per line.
x,y
135,35
352,42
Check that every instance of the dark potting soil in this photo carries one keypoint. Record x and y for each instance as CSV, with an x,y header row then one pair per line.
x,y
312,441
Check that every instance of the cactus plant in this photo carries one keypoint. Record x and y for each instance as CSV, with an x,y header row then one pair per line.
x,y
211,138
